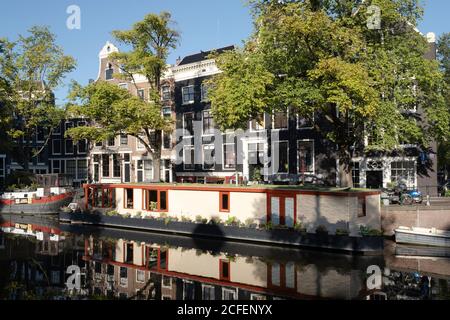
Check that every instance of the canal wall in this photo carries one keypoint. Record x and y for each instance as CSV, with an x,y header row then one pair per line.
x,y
423,217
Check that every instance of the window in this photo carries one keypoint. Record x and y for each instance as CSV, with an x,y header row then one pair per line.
x,y
403,172
105,165
140,276
144,170
57,130
111,142
96,162
82,146
56,166
188,290
82,169
189,157
69,146
275,274
305,156
116,166
140,145
188,123
224,202
141,94
166,282
208,157
128,203
208,292
99,144
280,120
188,94
165,93
204,92
129,253
280,156
68,125
155,200
355,175
208,123
361,206
123,86
2,167
228,294
257,124
167,140
305,122
229,156
123,139
255,296
109,72
71,168
56,146
127,167
40,136
163,257
55,277
224,270
167,112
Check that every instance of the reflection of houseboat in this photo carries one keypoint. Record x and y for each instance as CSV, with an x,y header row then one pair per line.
x,y
423,236
42,230
54,191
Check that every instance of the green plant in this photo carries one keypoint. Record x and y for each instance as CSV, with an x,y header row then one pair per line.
x,y
138,214
111,213
342,232
215,220
321,229
163,215
185,219
126,216
232,221
249,222
267,226
204,221
167,220
447,194
366,231
298,226
198,218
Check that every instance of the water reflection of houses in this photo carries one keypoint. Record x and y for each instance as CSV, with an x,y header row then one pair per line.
x,y
139,270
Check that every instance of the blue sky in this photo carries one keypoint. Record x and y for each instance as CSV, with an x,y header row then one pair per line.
x,y
204,24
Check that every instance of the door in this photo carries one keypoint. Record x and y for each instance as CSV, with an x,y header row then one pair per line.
x,y
275,211
374,179
282,211
289,212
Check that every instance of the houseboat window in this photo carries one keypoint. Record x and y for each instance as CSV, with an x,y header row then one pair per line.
x,y
361,207
188,290
140,276
208,292
116,166
280,154
229,156
228,294
129,203
110,270
224,201
163,259
105,165
166,282
129,253
98,267
224,270
290,275
305,150
275,273
163,200
123,272
152,258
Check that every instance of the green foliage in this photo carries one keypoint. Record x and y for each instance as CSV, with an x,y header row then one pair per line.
x,y
319,56
185,219
112,213
232,221
215,220
30,70
298,226
342,232
369,232
198,218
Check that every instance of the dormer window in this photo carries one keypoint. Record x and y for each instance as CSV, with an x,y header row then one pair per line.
x,y
109,72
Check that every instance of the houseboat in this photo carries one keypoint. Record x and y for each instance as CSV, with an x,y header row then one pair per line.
x,y
54,191
330,209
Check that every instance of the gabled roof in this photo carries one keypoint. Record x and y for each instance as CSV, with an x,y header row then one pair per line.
x,y
202,55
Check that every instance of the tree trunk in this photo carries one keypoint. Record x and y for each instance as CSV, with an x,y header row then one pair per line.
x,y
157,156
345,169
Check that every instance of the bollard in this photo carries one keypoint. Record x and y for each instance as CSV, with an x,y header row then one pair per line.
x,y
428,200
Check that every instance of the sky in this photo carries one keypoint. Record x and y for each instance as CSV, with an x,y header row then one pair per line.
x,y
204,25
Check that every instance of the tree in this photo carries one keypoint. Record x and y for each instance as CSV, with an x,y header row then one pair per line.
x,y
443,47
320,56
31,68
150,41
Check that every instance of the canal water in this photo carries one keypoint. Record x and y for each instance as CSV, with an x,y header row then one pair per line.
x,y
43,259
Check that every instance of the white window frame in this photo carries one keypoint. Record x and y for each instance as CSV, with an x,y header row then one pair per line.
x,y
72,125
162,92
123,85
143,169
76,167
162,282
166,114
184,157
234,291
209,287
203,129
313,158
86,146
273,121
203,156
137,278
184,287
53,147
65,147
202,92
273,148
184,130
223,157
182,95
162,142
58,132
